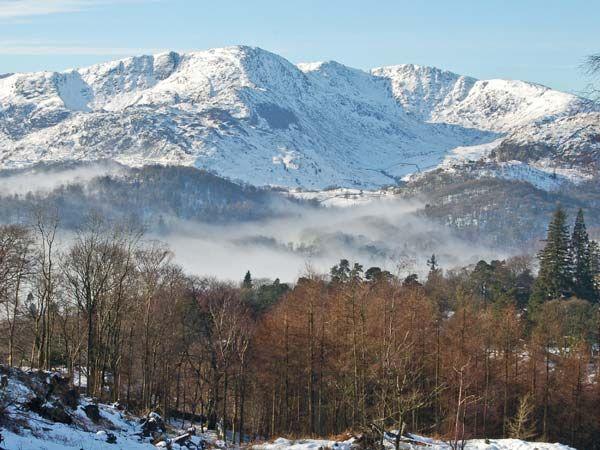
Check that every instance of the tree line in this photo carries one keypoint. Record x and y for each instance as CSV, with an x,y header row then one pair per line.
x,y
489,350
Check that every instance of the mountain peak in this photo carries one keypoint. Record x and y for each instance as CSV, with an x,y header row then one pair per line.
x,y
407,69
329,65
421,89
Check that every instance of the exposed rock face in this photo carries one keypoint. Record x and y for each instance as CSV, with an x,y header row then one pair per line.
x,y
53,411
92,412
153,425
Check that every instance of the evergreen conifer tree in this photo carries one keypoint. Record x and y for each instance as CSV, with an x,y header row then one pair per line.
x,y
340,273
432,263
555,278
434,269
595,257
583,280
595,266
247,283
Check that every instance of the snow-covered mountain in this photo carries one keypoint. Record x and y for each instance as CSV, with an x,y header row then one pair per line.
x,y
250,115
571,140
495,105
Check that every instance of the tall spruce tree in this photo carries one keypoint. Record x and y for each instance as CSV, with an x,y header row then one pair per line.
x,y
434,269
583,280
595,266
555,278
247,283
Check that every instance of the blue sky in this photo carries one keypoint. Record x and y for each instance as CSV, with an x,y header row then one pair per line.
x,y
540,41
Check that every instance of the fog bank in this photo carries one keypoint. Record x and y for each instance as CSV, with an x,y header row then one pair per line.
x,y
387,232
46,179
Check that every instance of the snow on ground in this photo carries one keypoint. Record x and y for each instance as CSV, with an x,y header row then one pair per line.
x,y
509,444
39,433
544,174
543,177
342,197
26,430
304,444
21,428
471,153
418,443
27,427
486,444
499,105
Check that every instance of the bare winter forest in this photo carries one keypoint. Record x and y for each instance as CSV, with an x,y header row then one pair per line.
x,y
484,351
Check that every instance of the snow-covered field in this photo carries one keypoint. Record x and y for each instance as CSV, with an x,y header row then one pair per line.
x,y
343,197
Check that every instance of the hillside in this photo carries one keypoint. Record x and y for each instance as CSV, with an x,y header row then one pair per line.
x,y
151,195
43,410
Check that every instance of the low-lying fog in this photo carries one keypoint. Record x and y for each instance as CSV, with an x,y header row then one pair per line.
x,y
44,180
387,233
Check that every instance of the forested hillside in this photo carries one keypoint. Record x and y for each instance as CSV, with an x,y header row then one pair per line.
x,y
152,196
503,213
491,350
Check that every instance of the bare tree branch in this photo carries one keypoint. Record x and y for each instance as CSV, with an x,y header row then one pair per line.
x,y
592,64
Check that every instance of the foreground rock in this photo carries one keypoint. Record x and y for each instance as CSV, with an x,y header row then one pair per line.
x,y
38,410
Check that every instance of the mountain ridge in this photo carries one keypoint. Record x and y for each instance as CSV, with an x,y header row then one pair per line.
x,y
251,115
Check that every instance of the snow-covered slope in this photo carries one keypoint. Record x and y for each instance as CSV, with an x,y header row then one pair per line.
x,y
566,141
496,105
40,410
253,116
545,153
423,91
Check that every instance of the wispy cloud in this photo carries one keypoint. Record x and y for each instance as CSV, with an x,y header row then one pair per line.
x,y
15,9
29,48
24,8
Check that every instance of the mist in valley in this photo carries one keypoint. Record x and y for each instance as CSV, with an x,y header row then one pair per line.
x,y
388,233
279,237
46,179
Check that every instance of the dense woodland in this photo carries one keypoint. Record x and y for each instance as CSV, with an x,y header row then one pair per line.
x,y
490,350
499,212
149,195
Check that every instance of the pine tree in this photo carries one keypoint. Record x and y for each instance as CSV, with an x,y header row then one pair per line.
x,y
434,269
595,266
432,263
583,281
555,278
595,257
247,283
340,273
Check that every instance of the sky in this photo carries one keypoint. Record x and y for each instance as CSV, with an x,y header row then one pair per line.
x,y
539,41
